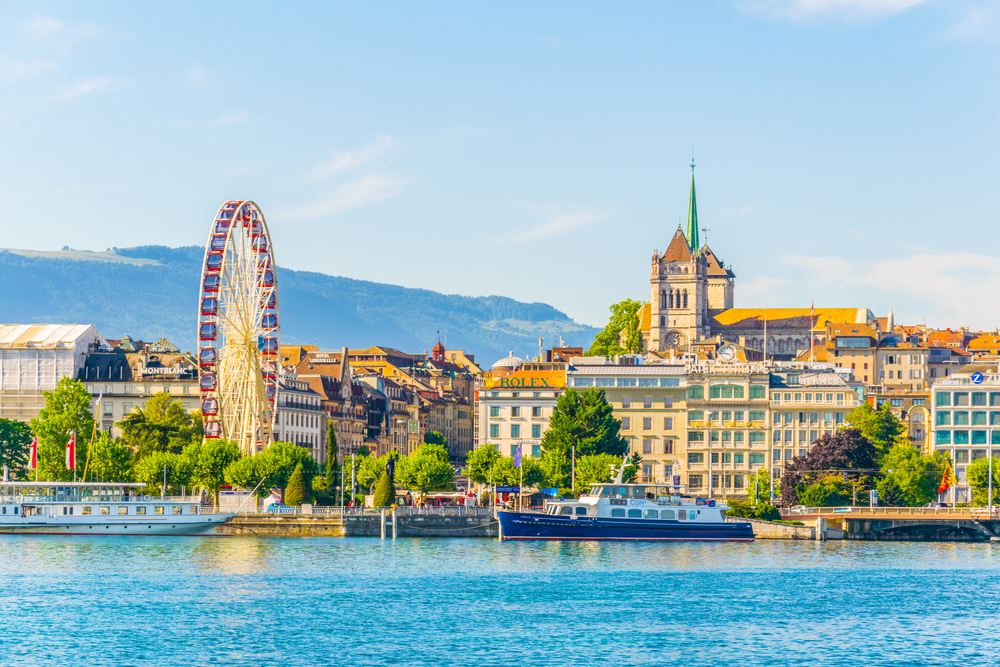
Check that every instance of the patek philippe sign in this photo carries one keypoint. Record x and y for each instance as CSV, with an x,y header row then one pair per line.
x,y
707,424
742,368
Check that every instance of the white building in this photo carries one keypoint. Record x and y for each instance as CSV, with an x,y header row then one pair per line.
x,y
300,417
34,357
514,409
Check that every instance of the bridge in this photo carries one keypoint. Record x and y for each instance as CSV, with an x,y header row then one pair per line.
x,y
920,524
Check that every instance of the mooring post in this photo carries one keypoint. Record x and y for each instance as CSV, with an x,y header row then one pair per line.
x,y
381,522
393,523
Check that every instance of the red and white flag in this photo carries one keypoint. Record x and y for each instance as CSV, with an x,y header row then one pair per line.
x,y
33,456
71,453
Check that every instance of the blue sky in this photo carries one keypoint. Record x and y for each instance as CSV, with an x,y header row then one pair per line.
x,y
847,150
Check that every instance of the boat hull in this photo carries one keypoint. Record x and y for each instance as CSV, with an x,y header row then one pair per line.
x,y
203,526
532,526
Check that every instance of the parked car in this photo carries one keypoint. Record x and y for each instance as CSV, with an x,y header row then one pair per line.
x,y
279,508
799,509
937,505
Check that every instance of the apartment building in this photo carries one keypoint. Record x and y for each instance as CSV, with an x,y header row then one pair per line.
x,y
515,409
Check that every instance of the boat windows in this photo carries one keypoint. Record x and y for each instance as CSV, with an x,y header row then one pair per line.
x,y
667,514
681,515
618,513
87,510
566,510
690,514
158,509
604,491
622,491
652,514
140,510
105,509
123,509
194,509
638,491
581,511
635,514
176,509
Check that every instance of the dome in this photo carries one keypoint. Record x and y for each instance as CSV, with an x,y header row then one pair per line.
x,y
510,361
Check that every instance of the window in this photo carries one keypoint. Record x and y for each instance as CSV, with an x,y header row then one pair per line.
x,y
647,402
667,514
494,430
140,509
695,482
961,398
979,398
757,436
108,408
176,509
668,447
86,510
604,382
626,423
738,436
536,451
962,456
756,415
979,418
583,382
536,394
696,457
647,446
696,436
670,382
494,411
617,513
536,430
727,457
758,391
515,430
943,398
495,394
696,391
627,382
123,509
626,402
777,455
648,382
979,438
647,422
194,509
756,459
652,514
961,418
536,411
515,411
738,458
668,422
961,437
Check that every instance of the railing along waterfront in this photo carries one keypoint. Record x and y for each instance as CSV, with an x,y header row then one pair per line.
x,y
973,512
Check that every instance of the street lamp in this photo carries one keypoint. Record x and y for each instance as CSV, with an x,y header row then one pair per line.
x,y
989,444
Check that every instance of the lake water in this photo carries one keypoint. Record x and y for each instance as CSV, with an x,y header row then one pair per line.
x,y
180,601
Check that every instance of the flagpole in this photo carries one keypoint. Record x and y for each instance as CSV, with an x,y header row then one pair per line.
x,y
811,325
93,433
74,455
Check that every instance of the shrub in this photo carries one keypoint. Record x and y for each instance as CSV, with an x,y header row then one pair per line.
x,y
295,492
385,492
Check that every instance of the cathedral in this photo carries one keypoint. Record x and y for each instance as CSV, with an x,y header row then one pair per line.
x,y
692,294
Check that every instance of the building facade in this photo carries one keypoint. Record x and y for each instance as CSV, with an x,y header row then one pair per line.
x,y
515,409
300,417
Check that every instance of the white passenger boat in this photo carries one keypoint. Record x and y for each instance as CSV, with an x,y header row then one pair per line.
x,y
77,508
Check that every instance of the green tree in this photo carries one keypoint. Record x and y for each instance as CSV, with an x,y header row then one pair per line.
x,y
915,475
427,469
595,468
332,468
830,491
761,511
274,466
978,475
623,326
164,425
556,467
66,411
296,492
110,460
880,427
385,492
369,470
210,461
762,493
363,450
506,474
15,447
890,494
436,438
479,462
584,419
150,471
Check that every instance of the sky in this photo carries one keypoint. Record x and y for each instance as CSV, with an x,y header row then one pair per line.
x,y
847,151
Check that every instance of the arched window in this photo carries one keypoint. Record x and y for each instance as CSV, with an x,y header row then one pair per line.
x,y
671,299
663,299
663,321
685,298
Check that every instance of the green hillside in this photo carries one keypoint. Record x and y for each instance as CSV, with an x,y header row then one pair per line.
x,y
152,291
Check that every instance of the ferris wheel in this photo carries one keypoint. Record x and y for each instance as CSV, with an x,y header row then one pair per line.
x,y
238,333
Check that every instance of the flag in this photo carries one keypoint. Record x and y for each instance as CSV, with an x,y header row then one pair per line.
x,y
33,456
517,456
97,407
71,453
947,479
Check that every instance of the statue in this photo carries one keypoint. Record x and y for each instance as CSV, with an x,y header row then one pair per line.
x,y
390,466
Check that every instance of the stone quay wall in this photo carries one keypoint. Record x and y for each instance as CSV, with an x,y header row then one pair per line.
x,y
360,525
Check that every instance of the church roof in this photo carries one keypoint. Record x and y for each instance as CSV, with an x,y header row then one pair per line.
x,y
678,250
715,267
644,317
752,319
692,226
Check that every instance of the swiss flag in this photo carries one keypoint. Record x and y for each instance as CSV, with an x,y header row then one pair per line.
x,y
71,453
33,456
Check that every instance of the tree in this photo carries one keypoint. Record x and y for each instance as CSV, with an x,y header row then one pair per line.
x,y
296,492
66,411
978,474
880,426
385,492
506,474
436,438
15,447
363,450
762,493
332,469
164,425
584,419
761,511
830,491
369,470
847,452
210,461
595,468
915,475
272,468
890,494
150,470
556,468
427,469
110,460
479,462
621,335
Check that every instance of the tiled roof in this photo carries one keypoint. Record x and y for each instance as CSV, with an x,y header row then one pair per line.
x,y
818,354
985,343
678,250
715,267
752,319
644,317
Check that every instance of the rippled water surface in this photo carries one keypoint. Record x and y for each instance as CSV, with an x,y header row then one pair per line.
x,y
180,601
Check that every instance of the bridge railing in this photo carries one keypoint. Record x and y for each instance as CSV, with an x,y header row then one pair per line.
x,y
972,512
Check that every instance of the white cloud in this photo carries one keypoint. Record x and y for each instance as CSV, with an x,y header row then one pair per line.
x,y
798,10
40,26
11,70
558,224
229,119
764,291
955,287
350,160
82,87
349,196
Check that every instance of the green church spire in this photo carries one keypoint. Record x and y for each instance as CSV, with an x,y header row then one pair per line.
x,y
692,227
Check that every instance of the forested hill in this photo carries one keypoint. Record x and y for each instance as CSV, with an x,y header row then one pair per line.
x,y
152,291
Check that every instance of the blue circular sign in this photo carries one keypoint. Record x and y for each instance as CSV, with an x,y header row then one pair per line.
x,y
977,378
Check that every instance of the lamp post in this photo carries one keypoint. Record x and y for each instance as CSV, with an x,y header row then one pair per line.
x,y
989,444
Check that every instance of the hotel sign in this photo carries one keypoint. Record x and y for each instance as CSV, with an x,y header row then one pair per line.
x,y
726,424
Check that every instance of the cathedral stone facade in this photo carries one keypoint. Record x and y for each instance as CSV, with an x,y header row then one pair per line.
x,y
692,299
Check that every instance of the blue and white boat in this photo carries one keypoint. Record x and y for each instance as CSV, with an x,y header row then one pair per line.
x,y
618,511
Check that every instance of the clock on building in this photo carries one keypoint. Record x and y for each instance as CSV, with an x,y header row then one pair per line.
x,y
727,353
